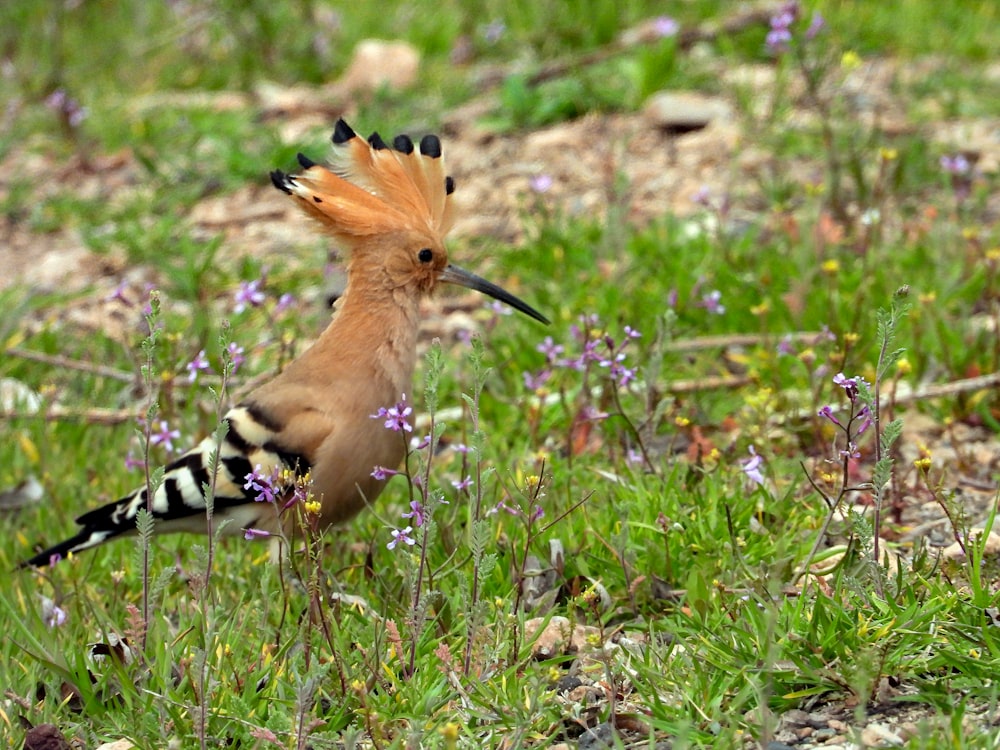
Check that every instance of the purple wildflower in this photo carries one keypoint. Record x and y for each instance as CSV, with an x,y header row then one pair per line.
x,y
147,309
251,534
501,505
499,308
196,365
262,484
494,31
550,349
702,197
119,294
634,457
591,413
608,362
827,412
401,536
751,467
955,165
416,513
56,100
235,355
249,295
541,183
665,26
816,25
418,444
712,301
381,473
851,452
533,382
66,107
76,115
131,462
865,416
52,613
299,494
780,34
619,373
165,436
588,355
285,301
395,416
537,513
778,38
625,376
850,385
786,346
463,484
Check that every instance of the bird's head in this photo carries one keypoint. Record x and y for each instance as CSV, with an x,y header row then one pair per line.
x,y
390,206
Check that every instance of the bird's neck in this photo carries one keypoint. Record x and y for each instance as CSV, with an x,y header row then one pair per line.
x,y
373,334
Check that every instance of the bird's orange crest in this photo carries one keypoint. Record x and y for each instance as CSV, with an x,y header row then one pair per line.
x,y
371,188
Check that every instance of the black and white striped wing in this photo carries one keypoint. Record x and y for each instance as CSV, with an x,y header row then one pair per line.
x,y
178,503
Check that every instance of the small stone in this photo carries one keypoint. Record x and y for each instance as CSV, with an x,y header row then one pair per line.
x,y
991,547
26,492
683,111
378,63
824,733
18,396
585,695
598,738
795,717
567,683
879,735
557,637
45,737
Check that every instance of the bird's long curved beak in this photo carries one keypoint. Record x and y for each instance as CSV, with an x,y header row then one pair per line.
x,y
469,280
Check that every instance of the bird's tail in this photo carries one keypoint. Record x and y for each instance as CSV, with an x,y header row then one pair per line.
x,y
99,526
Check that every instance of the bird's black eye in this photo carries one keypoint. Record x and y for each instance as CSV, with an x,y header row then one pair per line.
x,y
426,255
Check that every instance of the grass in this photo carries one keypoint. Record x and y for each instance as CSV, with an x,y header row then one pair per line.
x,y
680,562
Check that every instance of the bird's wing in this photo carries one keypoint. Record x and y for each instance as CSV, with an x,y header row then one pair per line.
x,y
256,443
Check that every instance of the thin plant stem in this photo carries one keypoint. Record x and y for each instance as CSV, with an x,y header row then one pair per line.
x,y
477,506
149,346
422,565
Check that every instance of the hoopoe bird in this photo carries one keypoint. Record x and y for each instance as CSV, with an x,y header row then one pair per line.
x,y
389,208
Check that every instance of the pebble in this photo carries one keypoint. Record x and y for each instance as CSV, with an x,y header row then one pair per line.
x,y
879,735
686,110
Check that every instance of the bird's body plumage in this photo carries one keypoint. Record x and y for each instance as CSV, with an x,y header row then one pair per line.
x,y
390,209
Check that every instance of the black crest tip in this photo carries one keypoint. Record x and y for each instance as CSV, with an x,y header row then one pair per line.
x,y
430,145
305,161
403,144
376,142
281,181
449,185
342,132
